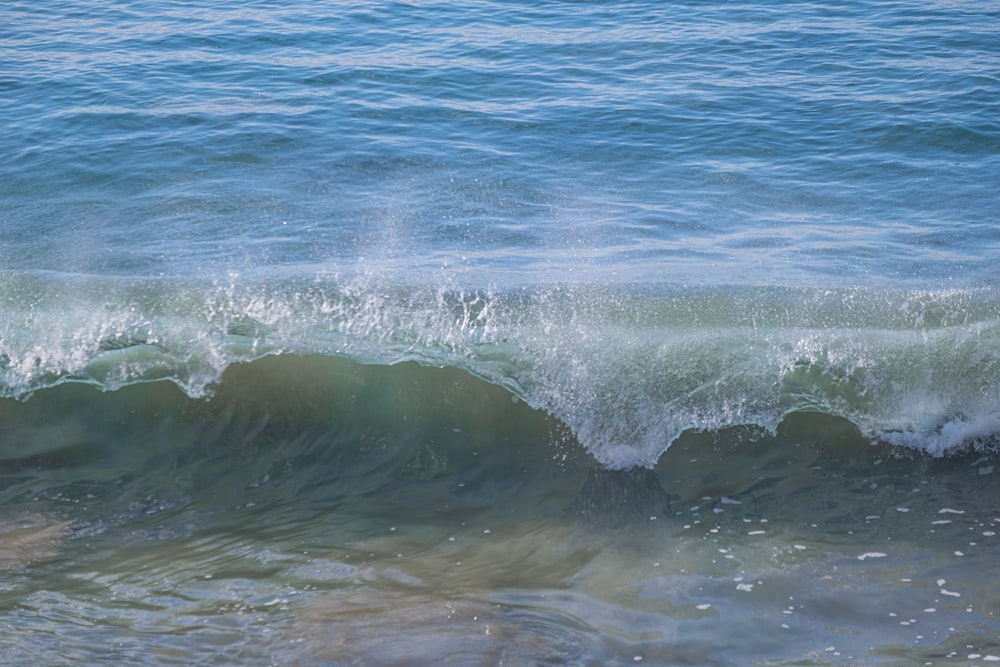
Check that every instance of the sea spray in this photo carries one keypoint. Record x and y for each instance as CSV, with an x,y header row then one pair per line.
x,y
627,370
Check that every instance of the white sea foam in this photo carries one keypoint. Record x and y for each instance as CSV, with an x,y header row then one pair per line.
x,y
627,370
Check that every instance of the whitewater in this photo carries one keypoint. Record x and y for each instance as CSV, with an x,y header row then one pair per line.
x,y
521,333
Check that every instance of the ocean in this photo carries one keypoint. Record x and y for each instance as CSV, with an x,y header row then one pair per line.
x,y
499,333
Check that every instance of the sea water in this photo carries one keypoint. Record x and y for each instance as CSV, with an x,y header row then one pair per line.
x,y
560,333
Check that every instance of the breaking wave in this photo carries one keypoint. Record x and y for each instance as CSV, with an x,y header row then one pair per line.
x,y
626,369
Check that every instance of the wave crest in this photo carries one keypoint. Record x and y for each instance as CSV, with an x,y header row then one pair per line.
x,y
626,369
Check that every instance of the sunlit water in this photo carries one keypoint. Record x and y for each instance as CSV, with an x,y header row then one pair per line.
x,y
196,533
511,333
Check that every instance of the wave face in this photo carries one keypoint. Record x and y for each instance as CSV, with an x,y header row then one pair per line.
x,y
312,507
626,369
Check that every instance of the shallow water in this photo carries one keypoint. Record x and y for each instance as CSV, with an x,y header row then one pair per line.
x,y
354,517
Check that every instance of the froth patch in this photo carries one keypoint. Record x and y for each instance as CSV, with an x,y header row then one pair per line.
x,y
955,434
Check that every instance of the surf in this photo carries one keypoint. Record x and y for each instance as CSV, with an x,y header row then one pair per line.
x,y
625,369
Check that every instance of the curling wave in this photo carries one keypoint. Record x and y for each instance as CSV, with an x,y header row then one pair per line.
x,y
625,369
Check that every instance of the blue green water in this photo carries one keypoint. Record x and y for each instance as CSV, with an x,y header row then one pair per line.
x,y
506,142
297,300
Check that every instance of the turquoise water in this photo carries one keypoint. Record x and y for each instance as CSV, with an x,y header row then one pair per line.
x,y
499,333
